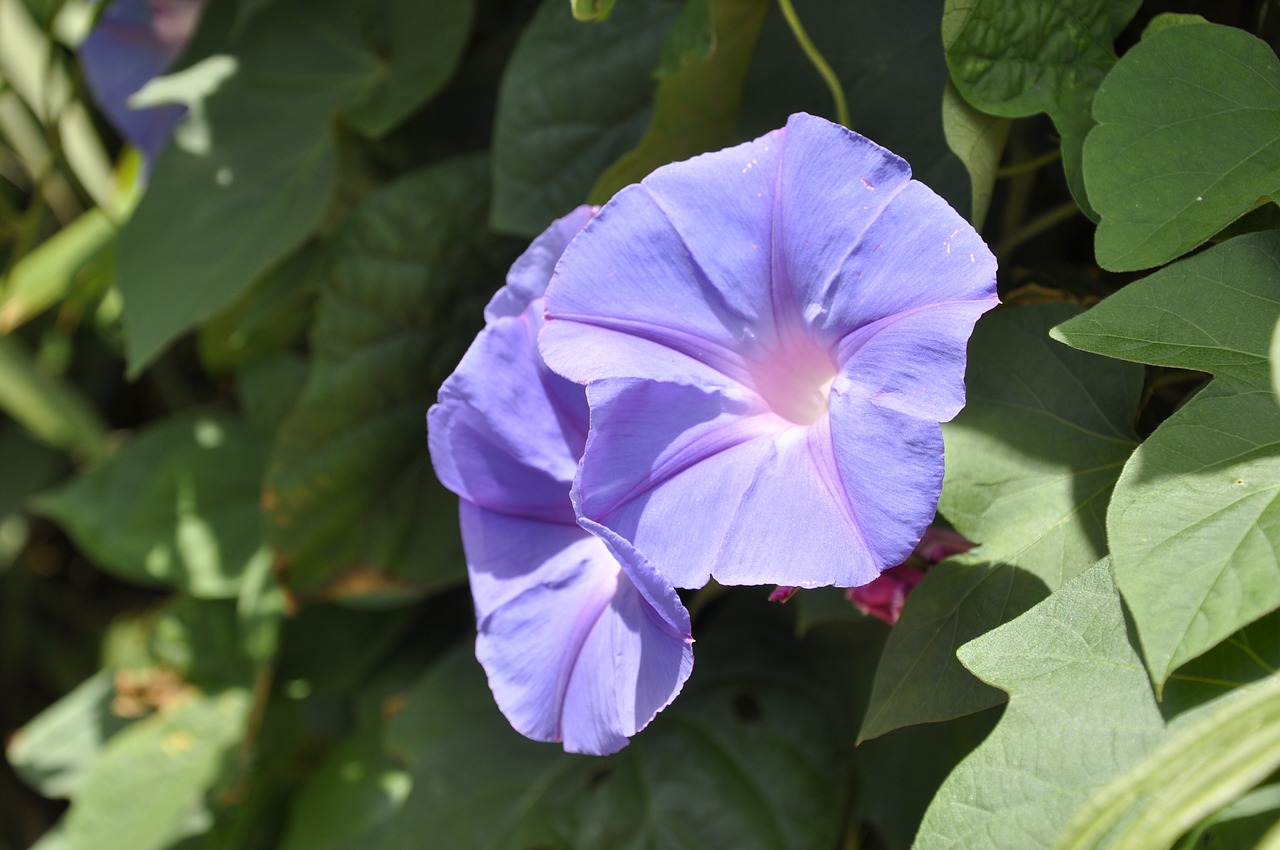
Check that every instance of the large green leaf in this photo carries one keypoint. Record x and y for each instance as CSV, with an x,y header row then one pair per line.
x,y
751,755
1081,713
177,506
1199,768
886,56
1194,524
574,98
696,108
226,203
1188,139
150,775
53,752
1031,461
1032,458
352,504
1016,58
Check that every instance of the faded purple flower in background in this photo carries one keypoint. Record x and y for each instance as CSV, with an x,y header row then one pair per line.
x,y
582,640
133,42
769,336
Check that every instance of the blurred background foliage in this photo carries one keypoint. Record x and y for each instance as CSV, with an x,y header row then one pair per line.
x,y
232,610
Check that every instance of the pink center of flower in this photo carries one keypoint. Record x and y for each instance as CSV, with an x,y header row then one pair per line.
x,y
795,380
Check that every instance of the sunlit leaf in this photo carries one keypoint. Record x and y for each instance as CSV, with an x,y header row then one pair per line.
x,y
176,507
1081,712
45,275
1195,518
1031,461
53,752
1205,764
167,760
1188,139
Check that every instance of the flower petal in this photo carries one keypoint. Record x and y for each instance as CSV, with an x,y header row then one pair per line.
x,y
532,270
706,492
675,265
861,241
913,362
574,651
507,433
891,467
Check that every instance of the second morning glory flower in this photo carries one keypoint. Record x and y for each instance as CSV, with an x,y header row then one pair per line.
x,y
770,336
132,42
582,640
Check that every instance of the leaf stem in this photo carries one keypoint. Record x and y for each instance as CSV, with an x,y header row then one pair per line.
x,y
1016,168
1037,226
816,58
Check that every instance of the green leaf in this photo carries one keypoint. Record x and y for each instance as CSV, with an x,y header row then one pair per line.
x,y
53,752
592,10
268,318
1007,59
1194,521
573,99
1205,765
899,773
1031,462
176,507
978,139
695,109
226,204
269,389
919,679
45,275
751,755
886,57
201,640
1243,658
135,796
1164,20
346,801
692,37
1188,139
54,410
352,504
417,46
1032,458
1080,712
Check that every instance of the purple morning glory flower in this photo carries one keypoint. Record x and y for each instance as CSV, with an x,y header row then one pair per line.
x,y
132,42
769,336
582,640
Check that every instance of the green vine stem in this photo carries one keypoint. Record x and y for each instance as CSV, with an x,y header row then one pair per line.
x,y
815,57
